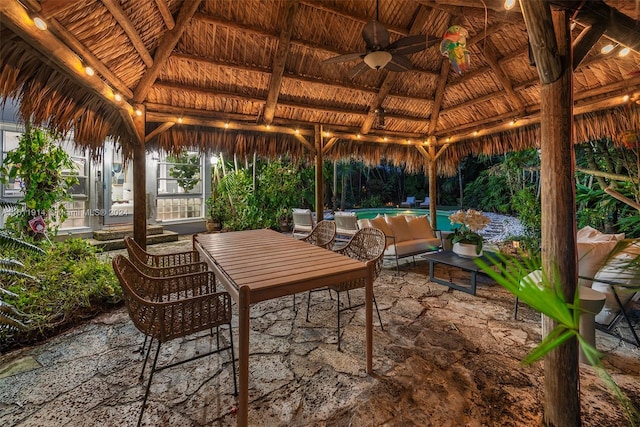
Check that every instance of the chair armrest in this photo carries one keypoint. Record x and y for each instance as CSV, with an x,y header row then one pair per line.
x,y
611,283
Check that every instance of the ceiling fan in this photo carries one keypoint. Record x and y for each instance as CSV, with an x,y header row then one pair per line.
x,y
380,53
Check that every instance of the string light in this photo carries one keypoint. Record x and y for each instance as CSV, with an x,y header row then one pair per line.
x,y
297,131
117,97
226,125
268,127
508,4
606,49
624,52
625,98
179,119
475,132
138,113
89,71
39,23
358,136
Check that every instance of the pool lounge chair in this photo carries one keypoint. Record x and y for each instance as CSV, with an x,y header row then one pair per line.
x,y
425,203
409,203
346,225
302,222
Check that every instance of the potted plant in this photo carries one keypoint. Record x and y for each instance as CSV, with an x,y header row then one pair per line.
x,y
466,241
215,212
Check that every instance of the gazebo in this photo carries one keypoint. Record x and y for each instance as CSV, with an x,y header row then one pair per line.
x,y
269,77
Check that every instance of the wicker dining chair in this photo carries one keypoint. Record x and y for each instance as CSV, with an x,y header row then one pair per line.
x,y
164,260
323,235
166,308
367,245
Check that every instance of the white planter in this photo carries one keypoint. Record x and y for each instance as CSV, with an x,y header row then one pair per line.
x,y
466,250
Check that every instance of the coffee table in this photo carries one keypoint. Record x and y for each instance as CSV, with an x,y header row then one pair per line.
x,y
465,264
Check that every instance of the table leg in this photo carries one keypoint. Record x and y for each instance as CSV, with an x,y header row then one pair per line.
x,y
369,318
243,357
473,282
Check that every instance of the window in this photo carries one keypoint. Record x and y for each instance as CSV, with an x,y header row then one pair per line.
x,y
10,142
179,185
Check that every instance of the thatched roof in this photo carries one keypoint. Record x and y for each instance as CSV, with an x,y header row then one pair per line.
x,y
226,69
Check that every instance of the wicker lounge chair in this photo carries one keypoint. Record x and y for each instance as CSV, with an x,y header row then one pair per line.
x,y
367,245
323,235
185,306
165,260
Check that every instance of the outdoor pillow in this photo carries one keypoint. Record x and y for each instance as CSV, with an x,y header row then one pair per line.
x,y
616,270
399,227
420,227
379,223
362,223
593,248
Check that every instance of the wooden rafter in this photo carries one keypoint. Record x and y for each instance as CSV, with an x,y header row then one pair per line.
x,y
123,20
91,60
254,30
157,131
390,78
329,144
164,49
439,96
585,41
491,57
56,54
306,143
280,60
166,14
537,16
49,8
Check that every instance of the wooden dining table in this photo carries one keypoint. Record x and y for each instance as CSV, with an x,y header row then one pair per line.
x,y
258,265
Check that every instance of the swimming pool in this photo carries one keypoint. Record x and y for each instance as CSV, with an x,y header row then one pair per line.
x,y
442,217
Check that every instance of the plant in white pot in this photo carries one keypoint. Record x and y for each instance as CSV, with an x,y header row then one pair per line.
x,y
465,239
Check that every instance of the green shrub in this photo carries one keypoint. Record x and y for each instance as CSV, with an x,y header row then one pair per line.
x,y
71,284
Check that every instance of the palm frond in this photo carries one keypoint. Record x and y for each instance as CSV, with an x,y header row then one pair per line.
x,y
11,242
15,273
9,318
8,262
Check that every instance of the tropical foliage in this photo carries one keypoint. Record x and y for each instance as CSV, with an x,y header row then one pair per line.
x,y
186,170
38,163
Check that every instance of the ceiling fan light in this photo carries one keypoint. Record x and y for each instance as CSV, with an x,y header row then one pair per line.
x,y
377,59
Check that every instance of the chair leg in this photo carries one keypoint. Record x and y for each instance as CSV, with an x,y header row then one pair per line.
x,y
144,365
626,317
146,392
515,309
397,266
308,305
378,311
233,362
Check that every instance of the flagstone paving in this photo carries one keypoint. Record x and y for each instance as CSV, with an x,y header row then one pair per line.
x,y
444,358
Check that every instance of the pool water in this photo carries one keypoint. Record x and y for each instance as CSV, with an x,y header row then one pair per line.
x,y
442,217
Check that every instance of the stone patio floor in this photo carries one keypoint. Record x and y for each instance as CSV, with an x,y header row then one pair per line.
x,y
444,358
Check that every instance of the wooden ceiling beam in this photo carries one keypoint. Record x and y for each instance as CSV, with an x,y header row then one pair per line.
x,y
280,60
56,54
123,20
360,19
164,49
305,79
439,96
490,55
585,41
91,60
619,27
166,14
385,88
313,46
157,131
542,38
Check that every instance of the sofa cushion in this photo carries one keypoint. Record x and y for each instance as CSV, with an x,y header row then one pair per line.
x,y
379,223
416,246
399,227
364,223
593,248
420,227
616,270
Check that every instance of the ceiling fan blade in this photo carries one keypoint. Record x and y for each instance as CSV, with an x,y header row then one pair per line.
x,y
375,35
399,63
357,70
408,45
344,58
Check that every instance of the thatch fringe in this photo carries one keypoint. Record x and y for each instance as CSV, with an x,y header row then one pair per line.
x,y
229,142
48,98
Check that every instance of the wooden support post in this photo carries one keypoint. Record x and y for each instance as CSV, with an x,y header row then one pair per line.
x,y
319,173
432,185
559,259
139,181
